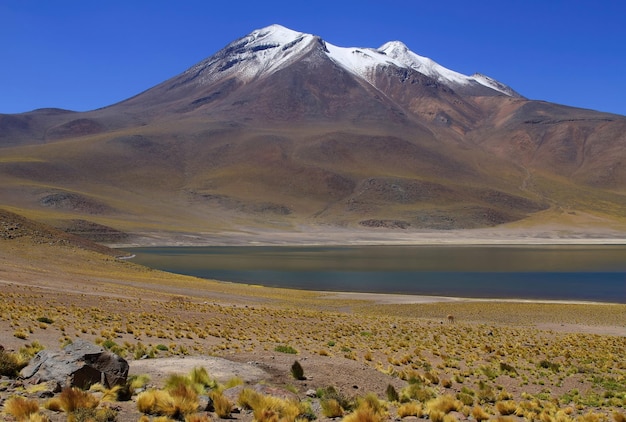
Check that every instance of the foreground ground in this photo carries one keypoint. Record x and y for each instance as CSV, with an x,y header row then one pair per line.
x,y
538,361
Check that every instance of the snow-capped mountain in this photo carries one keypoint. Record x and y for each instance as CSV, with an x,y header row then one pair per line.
x,y
281,128
267,50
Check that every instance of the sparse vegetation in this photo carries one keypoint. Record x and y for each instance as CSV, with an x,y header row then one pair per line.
x,y
286,349
495,359
11,363
21,408
73,398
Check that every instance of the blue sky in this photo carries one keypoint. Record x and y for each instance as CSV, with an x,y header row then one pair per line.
x,y
85,54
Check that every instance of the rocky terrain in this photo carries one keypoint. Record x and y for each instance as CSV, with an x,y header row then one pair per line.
x,y
445,360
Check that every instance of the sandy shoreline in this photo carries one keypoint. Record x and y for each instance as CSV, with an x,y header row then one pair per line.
x,y
313,236
399,299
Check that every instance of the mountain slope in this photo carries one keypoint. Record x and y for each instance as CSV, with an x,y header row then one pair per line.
x,y
282,128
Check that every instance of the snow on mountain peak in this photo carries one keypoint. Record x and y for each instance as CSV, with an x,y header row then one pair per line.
x,y
263,51
400,52
268,49
277,34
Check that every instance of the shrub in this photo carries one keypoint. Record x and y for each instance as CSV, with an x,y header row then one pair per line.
x,y
269,408
465,398
21,334
392,393
507,407
21,408
223,406
45,320
147,401
30,350
297,371
53,404
185,401
72,398
247,398
173,381
444,404
619,417
331,408
233,382
505,367
546,364
417,392
363,415
38,417
410,409
371,401
133,383
199,375
479,414
285,349
177,403
108,394
11,364
329,393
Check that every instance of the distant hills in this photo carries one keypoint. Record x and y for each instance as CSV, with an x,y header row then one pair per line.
x,y
282,129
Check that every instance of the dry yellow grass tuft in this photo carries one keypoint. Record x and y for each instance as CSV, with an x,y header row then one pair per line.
x,y
410,409
479,414
72,399
223,406
21,408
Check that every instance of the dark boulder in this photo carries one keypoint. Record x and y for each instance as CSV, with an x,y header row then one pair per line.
x,y
80,364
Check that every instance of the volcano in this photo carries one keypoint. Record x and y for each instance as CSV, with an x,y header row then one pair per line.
x,y
282,130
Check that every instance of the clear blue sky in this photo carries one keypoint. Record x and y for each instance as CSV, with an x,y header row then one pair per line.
x,y
85,54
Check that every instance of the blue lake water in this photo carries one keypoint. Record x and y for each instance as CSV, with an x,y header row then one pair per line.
x,y
590,273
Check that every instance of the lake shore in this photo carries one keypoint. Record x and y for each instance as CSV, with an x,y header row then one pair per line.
x,y
336,236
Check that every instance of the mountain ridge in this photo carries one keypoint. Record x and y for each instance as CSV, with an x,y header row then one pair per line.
x,y
280,129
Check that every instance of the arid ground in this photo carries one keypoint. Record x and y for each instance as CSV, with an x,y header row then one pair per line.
x,y
448,359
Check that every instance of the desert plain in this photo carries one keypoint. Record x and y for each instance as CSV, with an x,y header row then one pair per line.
x,y
364,357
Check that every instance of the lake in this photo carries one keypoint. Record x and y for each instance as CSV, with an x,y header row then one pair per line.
x,y
589,273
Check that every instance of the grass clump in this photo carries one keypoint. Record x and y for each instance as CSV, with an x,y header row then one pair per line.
x,y
285,349
392,393
444,404
53,404
21,408
411,409
45,320
479,414
271,409
331,408
506,407
417,392
72,399
363,415
108,394
223,406
11,363
546,364
176,403
370,409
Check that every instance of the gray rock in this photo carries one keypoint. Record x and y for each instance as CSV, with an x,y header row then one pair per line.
x,y
80,364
